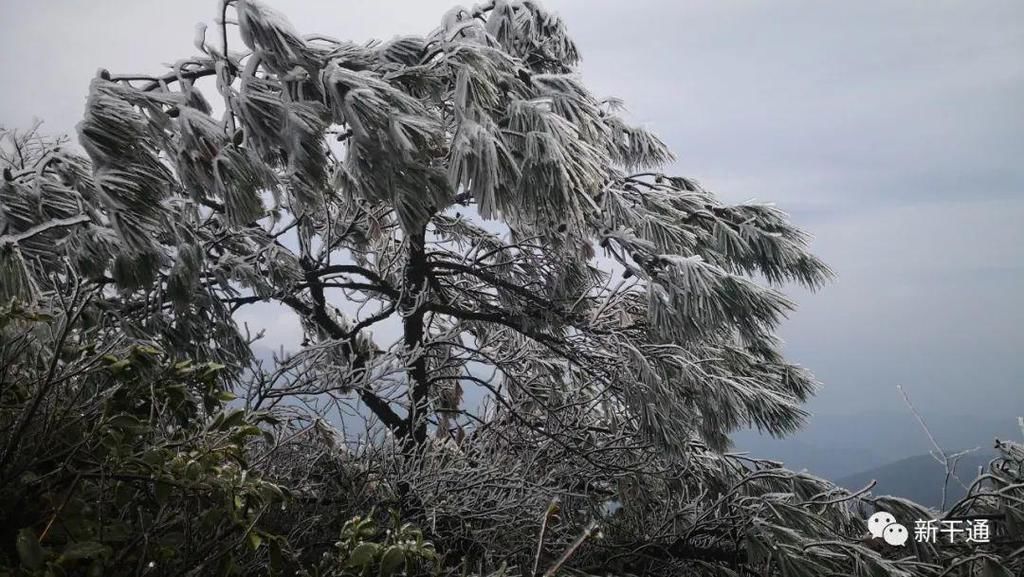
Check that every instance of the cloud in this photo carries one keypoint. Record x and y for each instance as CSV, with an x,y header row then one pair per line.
x,y
927,298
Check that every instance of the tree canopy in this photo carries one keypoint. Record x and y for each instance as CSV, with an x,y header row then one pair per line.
x,y
453,218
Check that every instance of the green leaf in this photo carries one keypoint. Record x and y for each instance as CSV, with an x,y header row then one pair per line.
x,y
227,566
212,369
249,431
84,550
154,457
362,555
123,494
120,366
265,417
255,540
123,421
232,419
29,551
146,351
276,557
162,491
392,562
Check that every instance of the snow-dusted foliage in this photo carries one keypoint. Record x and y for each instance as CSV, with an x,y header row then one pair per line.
x,y
523,239
487,112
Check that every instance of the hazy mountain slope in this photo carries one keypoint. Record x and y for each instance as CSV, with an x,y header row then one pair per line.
x,y
828,462
836,446
920,478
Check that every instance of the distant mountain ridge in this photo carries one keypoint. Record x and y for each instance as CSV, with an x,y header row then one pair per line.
x,y
837,446
921,478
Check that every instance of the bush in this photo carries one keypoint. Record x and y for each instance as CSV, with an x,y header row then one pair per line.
x,y
117,458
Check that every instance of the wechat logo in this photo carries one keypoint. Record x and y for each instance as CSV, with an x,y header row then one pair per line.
x,y
883,526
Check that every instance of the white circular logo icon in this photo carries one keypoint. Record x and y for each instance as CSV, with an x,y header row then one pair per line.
x,y
895,534
878,522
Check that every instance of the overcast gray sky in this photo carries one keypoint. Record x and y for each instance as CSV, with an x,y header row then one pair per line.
x,y
893,130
